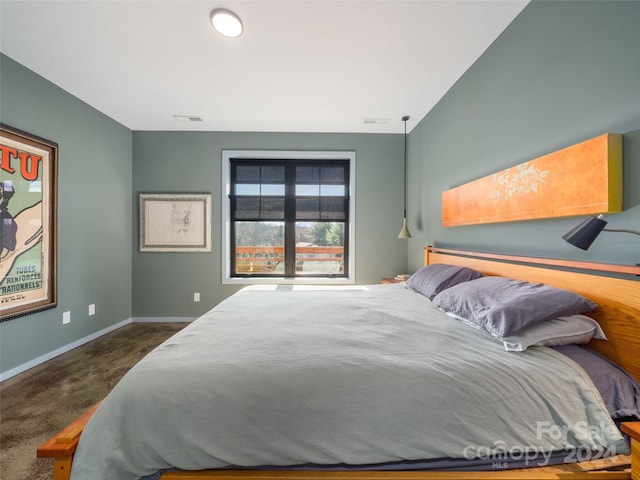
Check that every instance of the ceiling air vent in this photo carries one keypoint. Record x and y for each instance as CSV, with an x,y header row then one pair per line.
x,y
187,118
378,121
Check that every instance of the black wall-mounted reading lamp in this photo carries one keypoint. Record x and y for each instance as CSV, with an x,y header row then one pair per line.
x,y
583,234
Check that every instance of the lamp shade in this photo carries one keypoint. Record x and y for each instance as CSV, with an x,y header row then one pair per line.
x,y
583,234
404,233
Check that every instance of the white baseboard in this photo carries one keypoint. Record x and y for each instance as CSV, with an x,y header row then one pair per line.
x,y
163,319
59,351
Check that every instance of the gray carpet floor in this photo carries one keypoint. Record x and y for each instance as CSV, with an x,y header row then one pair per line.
x,y
40,402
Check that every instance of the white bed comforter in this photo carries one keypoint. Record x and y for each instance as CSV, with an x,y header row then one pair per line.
x,y
278,376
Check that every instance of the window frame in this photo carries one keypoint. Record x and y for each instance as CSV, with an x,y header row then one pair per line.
x,y
285,155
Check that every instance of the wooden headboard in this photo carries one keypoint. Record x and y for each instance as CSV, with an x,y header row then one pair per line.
x,y
618,298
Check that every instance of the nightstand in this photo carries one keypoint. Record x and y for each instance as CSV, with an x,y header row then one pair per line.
x,y
388,280
633,430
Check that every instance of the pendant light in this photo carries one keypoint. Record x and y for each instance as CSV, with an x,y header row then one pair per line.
x,y
404,233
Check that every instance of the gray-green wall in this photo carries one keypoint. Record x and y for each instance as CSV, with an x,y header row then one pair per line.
x,y
164,283
561,73
94,215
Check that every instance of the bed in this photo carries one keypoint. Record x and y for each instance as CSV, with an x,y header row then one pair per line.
x,y
295,430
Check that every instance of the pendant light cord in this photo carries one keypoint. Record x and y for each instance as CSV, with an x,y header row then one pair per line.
x,y
404,119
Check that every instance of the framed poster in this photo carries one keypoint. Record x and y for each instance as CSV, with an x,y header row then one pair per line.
x,y
175,222
28,193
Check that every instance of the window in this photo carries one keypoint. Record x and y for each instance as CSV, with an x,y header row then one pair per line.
x,y
287,216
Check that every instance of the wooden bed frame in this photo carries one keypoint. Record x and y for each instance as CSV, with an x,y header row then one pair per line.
x,y
618,314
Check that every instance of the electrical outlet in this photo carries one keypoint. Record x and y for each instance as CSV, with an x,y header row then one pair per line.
x,y
196,297
66,318
92,309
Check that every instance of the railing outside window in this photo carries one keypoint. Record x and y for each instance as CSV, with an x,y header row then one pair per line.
x,y
310,259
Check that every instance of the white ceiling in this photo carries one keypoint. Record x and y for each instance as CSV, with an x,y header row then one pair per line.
x,y
300,65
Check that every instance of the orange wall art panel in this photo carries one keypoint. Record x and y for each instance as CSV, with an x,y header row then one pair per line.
x,y
585,178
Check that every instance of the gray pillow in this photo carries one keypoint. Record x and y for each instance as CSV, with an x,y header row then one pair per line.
x,y
434,278
503,306
620,392
571,330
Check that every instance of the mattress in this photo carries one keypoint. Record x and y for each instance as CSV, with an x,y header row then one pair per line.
x,y
356,376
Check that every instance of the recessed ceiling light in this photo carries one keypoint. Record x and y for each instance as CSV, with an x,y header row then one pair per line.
x,y
226,22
